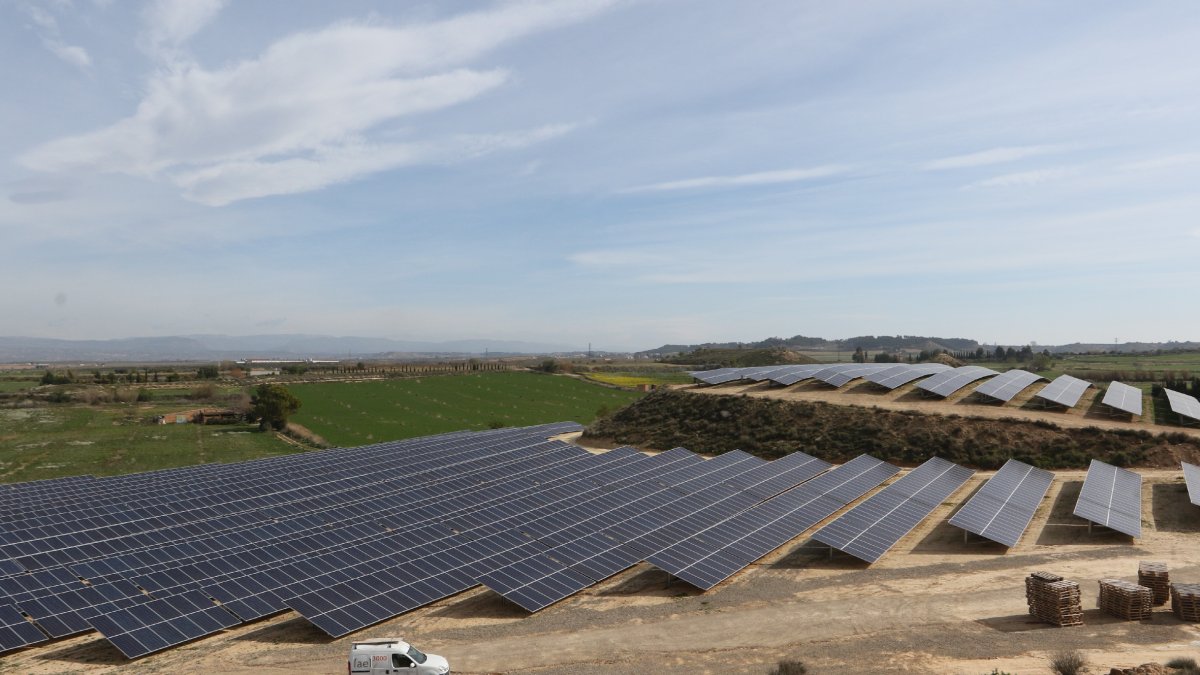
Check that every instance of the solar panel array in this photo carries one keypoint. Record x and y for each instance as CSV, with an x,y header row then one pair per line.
x,y
1183,405
845,375
613,540
1191,475
712,555
1002,509
1124,398
945,383
156,548
900,375
1112,497
796,374
351,537
1005,386
1064,390
873,527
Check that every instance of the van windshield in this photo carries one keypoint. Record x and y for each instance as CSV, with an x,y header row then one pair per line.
x,y
416,655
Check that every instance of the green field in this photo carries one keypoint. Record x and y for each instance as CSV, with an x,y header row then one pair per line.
x,y
54,441
16,385
637,378
357,413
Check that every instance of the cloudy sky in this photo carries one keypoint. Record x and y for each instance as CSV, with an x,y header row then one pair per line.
x,y
623,173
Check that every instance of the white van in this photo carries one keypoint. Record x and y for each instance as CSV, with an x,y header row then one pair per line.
x,y
395,656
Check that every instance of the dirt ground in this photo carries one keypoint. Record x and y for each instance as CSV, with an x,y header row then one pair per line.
x,y
935,604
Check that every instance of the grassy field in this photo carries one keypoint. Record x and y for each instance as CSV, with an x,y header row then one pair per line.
x,y
356,413
54,441
636,379
7,385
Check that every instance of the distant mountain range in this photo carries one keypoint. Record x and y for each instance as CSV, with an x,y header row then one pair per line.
x,y
874,343
801,342
223,347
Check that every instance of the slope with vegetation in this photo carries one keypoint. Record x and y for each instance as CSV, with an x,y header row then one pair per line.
x,y
772,428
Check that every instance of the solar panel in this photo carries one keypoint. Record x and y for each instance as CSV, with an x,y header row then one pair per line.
x,y
798,374
1112,497
898,376
1002,509
1064,390
1124,398
1183,405
1007,385
710,556
945,383
845,375
778,371
868,530
1191,474
16,631
159,624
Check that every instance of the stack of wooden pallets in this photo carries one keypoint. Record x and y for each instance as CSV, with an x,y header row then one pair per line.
x,y
1053,599
1185,601
1153,575
1125,599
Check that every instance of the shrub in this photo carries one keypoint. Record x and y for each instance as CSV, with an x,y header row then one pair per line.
x,y
789,667
205,392
1183,663
1068,662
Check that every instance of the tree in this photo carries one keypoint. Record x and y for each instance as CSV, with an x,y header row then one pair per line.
x,y
207,373
859,355
271,405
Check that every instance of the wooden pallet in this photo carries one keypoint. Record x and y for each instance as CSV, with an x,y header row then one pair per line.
x,y
1185,601
1125,599
1153,575
1053,599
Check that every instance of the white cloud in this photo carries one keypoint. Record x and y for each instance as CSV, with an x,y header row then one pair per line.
x,y
170,23
989,157
233,181
1024,178
300,116
759,178
1164,162
47,29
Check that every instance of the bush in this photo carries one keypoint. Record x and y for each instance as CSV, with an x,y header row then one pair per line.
x,y
997,671
205,392
1183,663
789,667
1068,662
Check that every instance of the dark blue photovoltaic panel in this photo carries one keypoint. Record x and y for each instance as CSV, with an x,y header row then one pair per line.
x,y
158,624
16,631
1004,506
1112,497
709,556
873,527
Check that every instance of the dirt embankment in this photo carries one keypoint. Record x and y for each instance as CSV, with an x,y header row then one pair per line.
x,y
772,428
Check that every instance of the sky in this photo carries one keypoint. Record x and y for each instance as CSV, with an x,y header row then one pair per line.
x,y
616,172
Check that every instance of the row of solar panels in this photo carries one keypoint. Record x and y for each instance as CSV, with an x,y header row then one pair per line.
x,y
535,521
942,380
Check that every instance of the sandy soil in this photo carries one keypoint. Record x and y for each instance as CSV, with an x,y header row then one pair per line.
x,y
936,604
